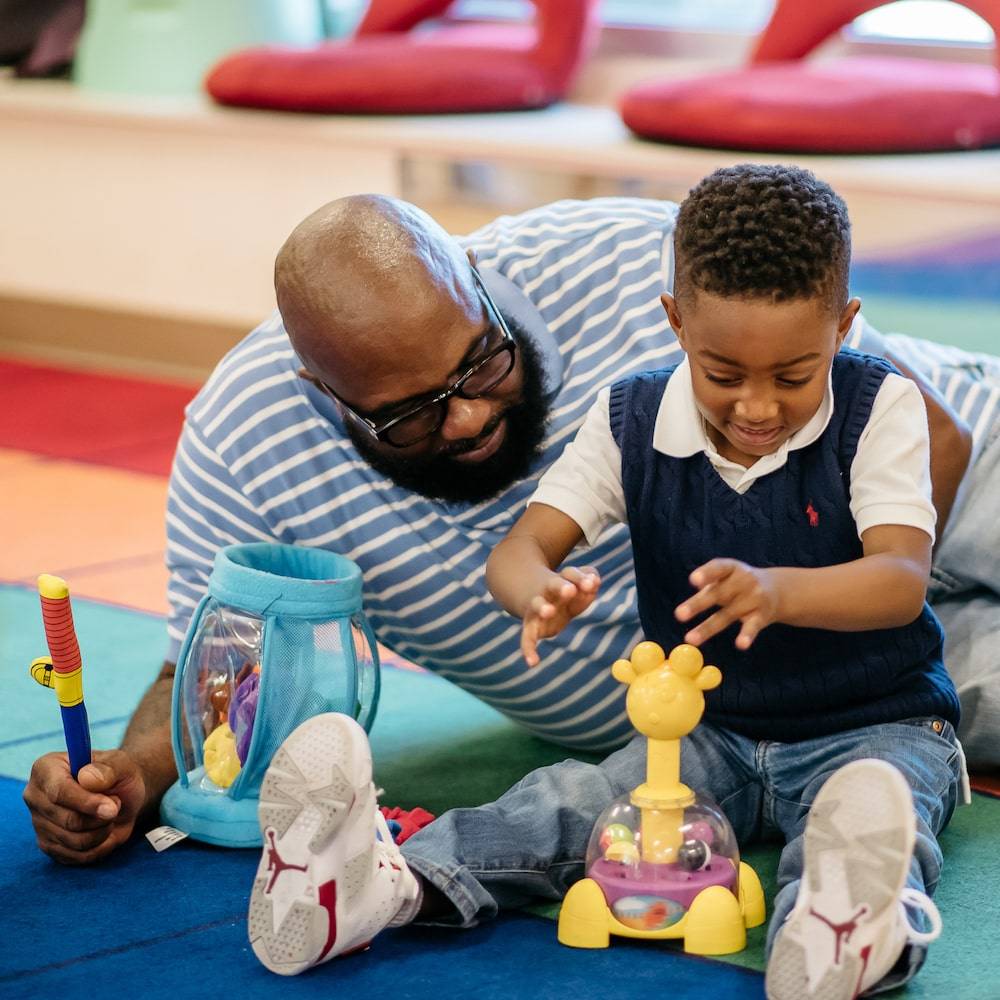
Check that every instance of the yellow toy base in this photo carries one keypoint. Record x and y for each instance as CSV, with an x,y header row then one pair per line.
x,y
715,924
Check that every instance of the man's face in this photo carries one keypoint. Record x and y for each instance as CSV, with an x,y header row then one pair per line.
x,y
504,435
759,368
407,354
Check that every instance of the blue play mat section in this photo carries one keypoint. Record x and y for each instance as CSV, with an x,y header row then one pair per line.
x,y
173,926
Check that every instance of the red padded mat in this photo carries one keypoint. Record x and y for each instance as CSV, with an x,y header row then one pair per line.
x,y
113,420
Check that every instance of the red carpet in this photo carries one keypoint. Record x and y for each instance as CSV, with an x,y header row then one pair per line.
x,y
125,423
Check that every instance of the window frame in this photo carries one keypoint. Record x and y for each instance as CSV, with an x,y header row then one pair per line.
x,y
665,41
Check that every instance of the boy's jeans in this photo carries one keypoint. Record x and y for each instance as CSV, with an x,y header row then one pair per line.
x,y
532,841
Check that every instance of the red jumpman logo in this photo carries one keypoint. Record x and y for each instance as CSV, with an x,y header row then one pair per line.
x,y
276,864
841,931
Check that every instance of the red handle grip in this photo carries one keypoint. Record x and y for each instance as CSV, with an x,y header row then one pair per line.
x,y
57,617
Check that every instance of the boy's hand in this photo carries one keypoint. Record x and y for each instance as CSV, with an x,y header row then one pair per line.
x,y
741,593
565,596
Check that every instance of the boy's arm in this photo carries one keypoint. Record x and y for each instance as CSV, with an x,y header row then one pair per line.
x,y
579,494
521,575
524,563
885,588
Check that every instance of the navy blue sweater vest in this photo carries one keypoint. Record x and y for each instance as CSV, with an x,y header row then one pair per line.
x,y
793,683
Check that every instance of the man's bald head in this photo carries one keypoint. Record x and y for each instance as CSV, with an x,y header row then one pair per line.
x,y
381,305
365,272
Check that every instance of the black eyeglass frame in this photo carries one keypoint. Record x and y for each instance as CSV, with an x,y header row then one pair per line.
x,y
380,431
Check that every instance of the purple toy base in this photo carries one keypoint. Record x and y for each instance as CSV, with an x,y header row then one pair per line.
x,y
666,890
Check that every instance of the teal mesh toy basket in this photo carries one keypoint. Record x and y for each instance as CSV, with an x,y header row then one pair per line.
x,y
279,637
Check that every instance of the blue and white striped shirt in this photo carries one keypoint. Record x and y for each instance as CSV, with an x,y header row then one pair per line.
x,y
264,456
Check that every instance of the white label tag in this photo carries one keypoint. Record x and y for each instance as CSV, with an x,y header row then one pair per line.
x,y
163,837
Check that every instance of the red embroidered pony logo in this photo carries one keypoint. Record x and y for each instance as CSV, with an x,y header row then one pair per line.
x,y
813,515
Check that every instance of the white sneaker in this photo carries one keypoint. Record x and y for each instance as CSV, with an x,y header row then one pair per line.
x,y
849,924
330,877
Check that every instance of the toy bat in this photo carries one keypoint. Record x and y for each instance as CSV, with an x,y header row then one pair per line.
x,y
62,669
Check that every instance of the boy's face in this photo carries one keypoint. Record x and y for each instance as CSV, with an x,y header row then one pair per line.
x,y
759,368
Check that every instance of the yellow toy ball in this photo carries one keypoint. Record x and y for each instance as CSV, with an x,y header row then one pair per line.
x,y
222,763
622,851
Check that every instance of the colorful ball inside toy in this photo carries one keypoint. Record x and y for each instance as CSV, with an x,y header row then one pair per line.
x,y
615,832
693,855
699,830
622,851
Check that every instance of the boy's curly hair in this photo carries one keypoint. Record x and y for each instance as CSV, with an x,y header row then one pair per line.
x,y
757,231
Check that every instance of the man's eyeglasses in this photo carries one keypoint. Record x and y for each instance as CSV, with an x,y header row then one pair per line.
x,y
425,418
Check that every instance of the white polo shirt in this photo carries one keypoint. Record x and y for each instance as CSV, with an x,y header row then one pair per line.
x,y
890,474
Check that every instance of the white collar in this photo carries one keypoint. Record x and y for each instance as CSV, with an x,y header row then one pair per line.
x,y
679,430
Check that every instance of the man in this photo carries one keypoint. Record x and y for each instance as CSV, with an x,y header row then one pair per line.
x,y
400,410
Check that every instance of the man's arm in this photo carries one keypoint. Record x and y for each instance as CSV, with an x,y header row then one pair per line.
x,y
147,742
79,822
951,444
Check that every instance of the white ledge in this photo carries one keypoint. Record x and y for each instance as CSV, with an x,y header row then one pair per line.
x,y
177,206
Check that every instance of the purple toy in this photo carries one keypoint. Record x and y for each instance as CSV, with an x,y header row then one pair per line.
x,y
242,712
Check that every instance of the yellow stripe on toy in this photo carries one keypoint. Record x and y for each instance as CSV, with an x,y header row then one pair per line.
x,y
69,687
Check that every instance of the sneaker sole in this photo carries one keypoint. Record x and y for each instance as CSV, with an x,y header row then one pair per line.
x,y
870,796
304,803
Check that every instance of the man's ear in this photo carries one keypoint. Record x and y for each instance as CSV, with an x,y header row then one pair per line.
x,y
317,383
847,319
674,316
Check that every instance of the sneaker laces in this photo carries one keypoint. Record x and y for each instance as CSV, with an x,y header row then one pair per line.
x,y
388,850
385,842
910,897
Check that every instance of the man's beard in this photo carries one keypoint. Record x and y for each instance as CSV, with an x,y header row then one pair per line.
x,y
441,477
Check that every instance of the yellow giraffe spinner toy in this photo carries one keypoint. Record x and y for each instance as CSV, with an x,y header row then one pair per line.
x,y
663,860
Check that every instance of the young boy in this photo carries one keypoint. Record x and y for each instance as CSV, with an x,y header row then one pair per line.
x,y
778,497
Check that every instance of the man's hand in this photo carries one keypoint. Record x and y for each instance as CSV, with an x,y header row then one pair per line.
x,y
741,593
79,822
566,595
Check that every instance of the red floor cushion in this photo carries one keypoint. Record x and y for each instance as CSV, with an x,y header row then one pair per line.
x,y
781,102
386,69
851,105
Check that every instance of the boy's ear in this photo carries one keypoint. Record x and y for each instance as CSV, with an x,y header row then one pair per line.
x,y
846,319
673,315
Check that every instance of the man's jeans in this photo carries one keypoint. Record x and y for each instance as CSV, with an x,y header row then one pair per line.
x,y
531,843
965,595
